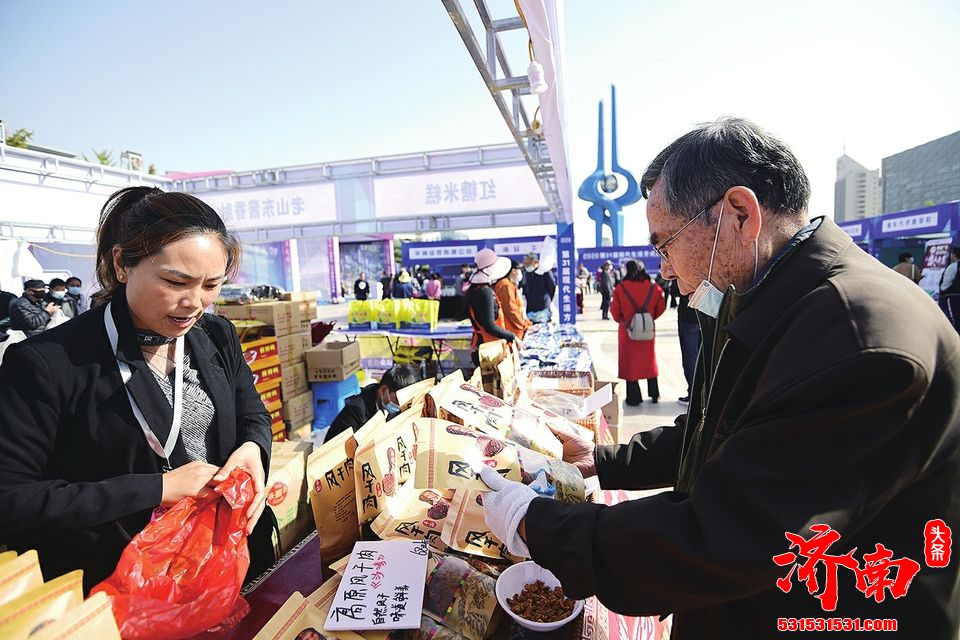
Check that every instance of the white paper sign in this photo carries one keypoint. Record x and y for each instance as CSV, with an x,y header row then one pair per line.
x,y
382,587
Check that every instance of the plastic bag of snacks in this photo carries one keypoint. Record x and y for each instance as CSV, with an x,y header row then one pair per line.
x,y
41,607
384,460
449,456
478,409
466,530
182,574
19,575
429,630
91,620
333,495
387,314
459,597
418,514
362,314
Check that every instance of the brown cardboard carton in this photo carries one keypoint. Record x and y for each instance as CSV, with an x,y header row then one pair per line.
x,y
278,315
298,409
294,380
332,361
613,410
290,348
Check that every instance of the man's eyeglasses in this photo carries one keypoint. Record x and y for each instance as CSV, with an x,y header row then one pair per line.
x,y
661,249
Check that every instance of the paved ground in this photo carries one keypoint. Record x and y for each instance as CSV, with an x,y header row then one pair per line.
x,y
602,338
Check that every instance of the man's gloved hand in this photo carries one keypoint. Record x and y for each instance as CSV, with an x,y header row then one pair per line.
x,y
504,508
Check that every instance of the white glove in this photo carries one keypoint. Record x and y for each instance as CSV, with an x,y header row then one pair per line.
x,y
504,507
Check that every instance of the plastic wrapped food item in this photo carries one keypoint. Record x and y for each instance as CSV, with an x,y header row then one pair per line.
x,y
429,630
182,574
19,575
41,607
467,531
459,597
333,495
92,620
450,456
417,514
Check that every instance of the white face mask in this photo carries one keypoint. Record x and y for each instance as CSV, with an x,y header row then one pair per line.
x,y
530,268
707,298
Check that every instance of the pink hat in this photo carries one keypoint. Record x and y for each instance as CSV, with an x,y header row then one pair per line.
x,y
490,268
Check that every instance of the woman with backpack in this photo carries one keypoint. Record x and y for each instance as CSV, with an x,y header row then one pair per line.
x,y
637,293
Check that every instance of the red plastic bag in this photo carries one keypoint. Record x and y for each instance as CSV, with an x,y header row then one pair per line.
x,y
182,574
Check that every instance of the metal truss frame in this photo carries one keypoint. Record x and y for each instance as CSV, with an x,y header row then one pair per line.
x,y
531,144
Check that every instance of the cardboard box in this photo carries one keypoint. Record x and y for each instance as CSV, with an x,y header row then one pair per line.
x,y
301,432
560,380
290,348
294,380
271,393
278,315
259,349
298,409
613,410
266,373
333,361
300,296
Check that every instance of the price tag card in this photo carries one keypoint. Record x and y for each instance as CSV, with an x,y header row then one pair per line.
x,y
382,587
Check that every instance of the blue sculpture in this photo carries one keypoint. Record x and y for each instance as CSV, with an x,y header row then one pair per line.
x,y
606,210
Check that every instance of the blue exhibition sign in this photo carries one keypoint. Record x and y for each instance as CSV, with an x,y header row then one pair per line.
x,y
566,274
594,257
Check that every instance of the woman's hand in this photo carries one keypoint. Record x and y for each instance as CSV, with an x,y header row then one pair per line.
x,y
247,457
578,452
187,481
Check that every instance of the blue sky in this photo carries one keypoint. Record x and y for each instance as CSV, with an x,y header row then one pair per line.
x,y
241,85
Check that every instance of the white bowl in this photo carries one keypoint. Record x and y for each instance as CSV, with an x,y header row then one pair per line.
x,y
512,581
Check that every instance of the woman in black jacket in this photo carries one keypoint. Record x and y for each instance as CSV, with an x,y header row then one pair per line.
x,y
486,316
137,404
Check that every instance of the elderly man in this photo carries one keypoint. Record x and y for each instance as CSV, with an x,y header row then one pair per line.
x,y
822,443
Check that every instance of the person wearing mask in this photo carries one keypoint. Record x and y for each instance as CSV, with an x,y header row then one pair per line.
x,y
433,287
822,438
402,286
74,298
137,404
508,297
688,331
906,268
386,283
361,288
379,397
538,289
57,294
486,315
949,300
605,286
30,313
637,360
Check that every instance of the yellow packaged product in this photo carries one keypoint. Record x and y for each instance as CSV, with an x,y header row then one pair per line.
x,y
6,556
92,620
40,607
330,481
19,575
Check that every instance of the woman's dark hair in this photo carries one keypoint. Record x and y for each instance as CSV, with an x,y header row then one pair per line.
x,y
636,271
143,220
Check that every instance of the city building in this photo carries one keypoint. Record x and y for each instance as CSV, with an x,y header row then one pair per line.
x,y
922,176
858,193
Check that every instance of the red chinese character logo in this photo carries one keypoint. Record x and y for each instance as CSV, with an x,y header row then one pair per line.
x,y
873,580
937,544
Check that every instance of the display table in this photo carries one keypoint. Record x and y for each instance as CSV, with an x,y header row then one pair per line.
x,y
299,570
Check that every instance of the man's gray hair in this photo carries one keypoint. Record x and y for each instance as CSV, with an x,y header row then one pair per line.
x,y
698,167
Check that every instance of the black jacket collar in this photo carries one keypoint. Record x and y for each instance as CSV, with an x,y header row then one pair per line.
x,y
810,263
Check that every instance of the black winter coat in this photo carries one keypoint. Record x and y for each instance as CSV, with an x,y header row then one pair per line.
x,y
77,477
826,403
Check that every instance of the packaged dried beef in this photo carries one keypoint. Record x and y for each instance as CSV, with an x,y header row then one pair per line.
x,y
475,408
384,460
450,457
460,597
333,493
430,408
6,556
42,606
417,514
93,619
466,530
429,630
499,370
19,575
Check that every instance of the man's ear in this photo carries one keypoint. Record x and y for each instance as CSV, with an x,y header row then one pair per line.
x,y
746,216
